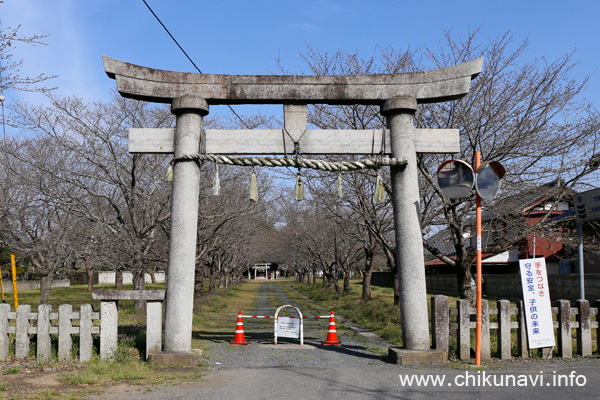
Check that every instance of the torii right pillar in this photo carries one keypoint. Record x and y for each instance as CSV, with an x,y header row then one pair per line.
x,y
399,113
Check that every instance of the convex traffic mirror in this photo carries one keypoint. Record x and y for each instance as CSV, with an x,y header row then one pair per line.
x,y
488,179
455,178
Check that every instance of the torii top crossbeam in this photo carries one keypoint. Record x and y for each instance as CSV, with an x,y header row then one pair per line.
x,y
155,85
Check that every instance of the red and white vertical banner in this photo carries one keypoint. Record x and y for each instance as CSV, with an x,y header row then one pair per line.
x,y
536,299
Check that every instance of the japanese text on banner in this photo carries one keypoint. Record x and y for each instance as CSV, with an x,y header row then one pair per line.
x,y
536,298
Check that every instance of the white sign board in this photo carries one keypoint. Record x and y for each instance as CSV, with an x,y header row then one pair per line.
x,y
587,205
288,327
536,299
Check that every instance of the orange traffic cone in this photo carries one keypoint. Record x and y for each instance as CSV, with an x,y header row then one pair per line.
x,y
239,339
332,339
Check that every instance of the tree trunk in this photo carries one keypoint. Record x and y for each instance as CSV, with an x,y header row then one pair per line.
x,y
336,284
212,279
45,285
222,277
466,284
152,275
90,275
347,283
390,255
366,285
119,279
396,286
139,283
199,282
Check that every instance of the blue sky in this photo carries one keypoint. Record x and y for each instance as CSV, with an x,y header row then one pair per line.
x,y
244,37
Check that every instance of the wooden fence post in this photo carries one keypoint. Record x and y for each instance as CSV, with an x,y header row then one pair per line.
x,y
463,336
504,336
598,324
584,331
522,331
153,326
440,323
4,310
486,353
565,343
65,342
109,323
85,332
22,332
43,332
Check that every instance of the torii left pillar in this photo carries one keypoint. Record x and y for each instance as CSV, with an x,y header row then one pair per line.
x,y
189,112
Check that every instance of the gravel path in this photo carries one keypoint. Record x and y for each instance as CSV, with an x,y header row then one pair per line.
x,y
356,350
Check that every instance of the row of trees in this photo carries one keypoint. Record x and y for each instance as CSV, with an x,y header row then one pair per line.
x,y
74,198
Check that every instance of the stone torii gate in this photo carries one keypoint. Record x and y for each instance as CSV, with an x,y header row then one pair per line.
x,y
190,95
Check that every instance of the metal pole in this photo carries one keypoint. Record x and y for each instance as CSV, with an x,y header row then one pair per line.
x,y
14,278
2,284
478,271
580,260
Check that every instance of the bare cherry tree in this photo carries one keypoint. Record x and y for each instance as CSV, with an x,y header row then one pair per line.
x,y
32,222
100,181
12,78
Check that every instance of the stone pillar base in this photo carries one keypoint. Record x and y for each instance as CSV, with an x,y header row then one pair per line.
x,y
190,359
400,356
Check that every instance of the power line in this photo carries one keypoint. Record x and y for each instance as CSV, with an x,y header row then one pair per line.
x,y
175,40
189,58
